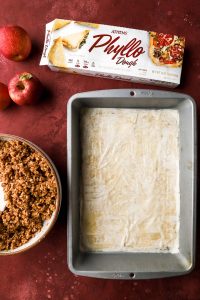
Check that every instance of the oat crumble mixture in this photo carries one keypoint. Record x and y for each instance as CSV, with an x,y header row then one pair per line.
x,y
30,192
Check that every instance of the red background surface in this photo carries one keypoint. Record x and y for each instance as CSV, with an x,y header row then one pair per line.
x,y
42,273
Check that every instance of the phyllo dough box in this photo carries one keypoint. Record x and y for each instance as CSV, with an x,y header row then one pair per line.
x,y
113,52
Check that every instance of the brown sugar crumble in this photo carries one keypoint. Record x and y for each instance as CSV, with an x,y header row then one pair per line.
x,y
30,192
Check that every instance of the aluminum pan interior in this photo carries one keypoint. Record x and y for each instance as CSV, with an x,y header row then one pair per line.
x,y
124,265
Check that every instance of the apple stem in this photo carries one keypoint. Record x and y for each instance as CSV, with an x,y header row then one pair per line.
x,y
26,76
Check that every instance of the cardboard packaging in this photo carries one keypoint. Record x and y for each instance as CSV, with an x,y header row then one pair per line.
x,y
113,52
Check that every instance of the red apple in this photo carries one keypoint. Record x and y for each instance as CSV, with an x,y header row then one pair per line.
x,y
15,43
4,96
25,88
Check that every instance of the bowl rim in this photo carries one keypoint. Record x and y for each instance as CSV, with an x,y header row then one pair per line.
x,y
54,216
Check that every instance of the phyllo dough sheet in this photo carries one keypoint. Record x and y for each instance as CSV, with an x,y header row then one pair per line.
x,y
130,180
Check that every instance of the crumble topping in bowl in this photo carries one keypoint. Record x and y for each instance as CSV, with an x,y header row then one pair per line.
x,y
30,192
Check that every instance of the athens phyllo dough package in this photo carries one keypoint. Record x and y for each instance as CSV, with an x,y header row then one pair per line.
x,y
113,52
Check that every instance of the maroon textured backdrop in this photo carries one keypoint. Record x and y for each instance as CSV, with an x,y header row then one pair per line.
x,y
42,273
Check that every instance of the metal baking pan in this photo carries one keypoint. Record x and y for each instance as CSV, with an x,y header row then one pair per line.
x,y
123,265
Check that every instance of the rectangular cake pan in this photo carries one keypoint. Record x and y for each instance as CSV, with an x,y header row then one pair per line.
x,y
127,265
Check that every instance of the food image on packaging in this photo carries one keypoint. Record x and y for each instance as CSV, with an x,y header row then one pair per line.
x,y
76,40
56,54
60,23
130,194
166,49
92,25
